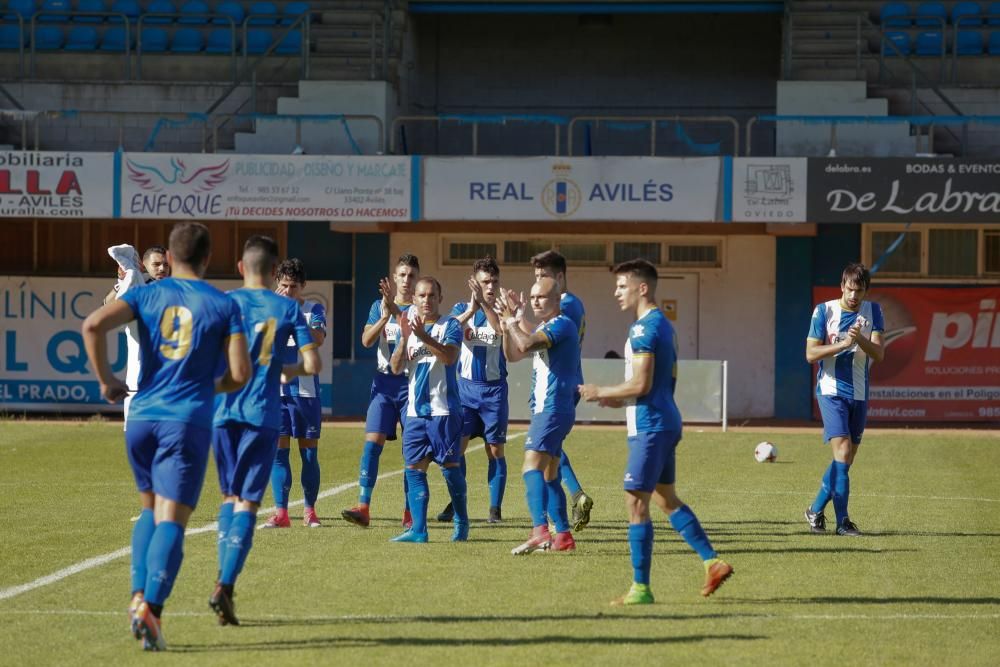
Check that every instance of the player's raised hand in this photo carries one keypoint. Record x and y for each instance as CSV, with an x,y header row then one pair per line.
x,y
387,289
405,327
588,392
418,325
477,291
114,391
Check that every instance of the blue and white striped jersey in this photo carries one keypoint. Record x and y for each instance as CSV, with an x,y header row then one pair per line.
x,y
389,337
305,386
572,307
652,335
554,368
482,357
433,385
845,375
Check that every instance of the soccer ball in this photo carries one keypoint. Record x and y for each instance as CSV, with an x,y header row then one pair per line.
x,y
765,452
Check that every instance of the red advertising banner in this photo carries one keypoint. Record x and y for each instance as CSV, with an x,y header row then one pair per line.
x,y
942,354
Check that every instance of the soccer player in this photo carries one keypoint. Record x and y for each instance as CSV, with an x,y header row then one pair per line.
x,y
389,392
654,430
247,421
301,412
555,346
429,347
482,380
845,335
155,261
184,326
154,267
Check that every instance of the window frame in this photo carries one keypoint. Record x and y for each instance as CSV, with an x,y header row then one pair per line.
x,y
924,228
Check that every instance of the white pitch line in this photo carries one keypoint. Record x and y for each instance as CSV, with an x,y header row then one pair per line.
x,y
97,561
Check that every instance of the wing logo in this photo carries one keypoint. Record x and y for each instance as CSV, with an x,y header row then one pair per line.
x,y
153,179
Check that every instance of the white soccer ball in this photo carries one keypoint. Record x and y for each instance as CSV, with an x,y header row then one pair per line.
x,y
765,452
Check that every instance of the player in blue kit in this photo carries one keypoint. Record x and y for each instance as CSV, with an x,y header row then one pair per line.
x,y
555,348
654,430
389,392
247,421
482,380
845,336
429,348
185,326
301,412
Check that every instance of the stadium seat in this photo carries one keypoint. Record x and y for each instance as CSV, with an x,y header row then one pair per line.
x,y
114,39
130,8
294,10
90,6
993,47
81,38
23,8
966,14
258,41
968,43
930,43
233,10
291,44
262,13
160,7
11,38
993,12
154,40
931,14
48,38
191,9
895,15
187,40
900,39
55,6
220,41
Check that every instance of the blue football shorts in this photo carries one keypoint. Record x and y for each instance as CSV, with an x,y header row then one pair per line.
x,y
301,417
547,432
169,458
436,437
843,417
387,404
485,411
244,455
651,460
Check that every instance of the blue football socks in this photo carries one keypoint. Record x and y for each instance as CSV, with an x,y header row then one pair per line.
x,y
142,533
825,491
568,476
686,523
556,505
419,495
841,490
225,519
496,477
281,478
640,542
369,471
239,540
534,491
310,474
163,561
458,490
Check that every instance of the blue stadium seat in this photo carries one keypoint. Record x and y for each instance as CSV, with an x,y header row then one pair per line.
x,y
154,40
994,14
968,43
187,40
895,15
11,38
928,14
993,47
900,39
130,8
22,8
81,38
291,44
160,7
192,8
294,10
90,6
966,14
233,10
48,37
258,41
930,43
220,41
258,9
114,39
55,6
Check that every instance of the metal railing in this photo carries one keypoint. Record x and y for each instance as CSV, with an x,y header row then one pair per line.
x,y
218,120
474,121
653,121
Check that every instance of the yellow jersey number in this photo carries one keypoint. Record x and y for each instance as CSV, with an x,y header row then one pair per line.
x,y
175,329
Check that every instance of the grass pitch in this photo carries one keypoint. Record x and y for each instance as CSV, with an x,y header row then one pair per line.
x,y
920,587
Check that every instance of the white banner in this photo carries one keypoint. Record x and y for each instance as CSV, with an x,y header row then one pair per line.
x,y
56,185
43,364
769,189
552,188
266,187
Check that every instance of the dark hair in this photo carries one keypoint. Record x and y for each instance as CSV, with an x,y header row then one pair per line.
x,y
407,259
640,269
431,279
292,268
260,253
190,243
487,264
549,259
154,250
857,273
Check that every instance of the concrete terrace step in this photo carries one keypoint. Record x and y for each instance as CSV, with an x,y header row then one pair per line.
x,y
826,47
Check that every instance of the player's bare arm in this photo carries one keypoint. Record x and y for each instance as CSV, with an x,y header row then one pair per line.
x,y
94,330
398,359
311,364
816,351
446,354
638,385
491,314
238,368
872,346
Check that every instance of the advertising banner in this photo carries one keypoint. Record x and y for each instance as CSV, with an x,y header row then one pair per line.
x,y
768,189
942,354
586,189
43,364
903,190
266,187
56,185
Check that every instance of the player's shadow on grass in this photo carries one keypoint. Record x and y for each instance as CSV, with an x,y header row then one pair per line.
x,y
923,533
797,550
825,599
627,614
